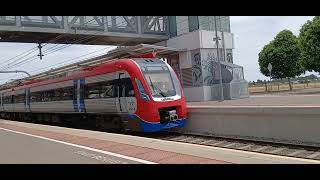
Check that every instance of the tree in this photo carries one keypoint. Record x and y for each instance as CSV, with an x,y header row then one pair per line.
x,y
284,55
312,77
309,41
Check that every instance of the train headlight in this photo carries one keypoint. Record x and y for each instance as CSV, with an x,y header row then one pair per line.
x,y
142,92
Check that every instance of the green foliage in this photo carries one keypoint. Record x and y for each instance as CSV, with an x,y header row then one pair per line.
x,y
284,55
309,41
309,78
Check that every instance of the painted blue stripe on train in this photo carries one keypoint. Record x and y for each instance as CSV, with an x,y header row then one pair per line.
x,y
82,104
25,99
28,100
75,104
155,127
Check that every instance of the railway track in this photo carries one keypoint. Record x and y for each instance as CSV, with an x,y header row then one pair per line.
x,y
279,149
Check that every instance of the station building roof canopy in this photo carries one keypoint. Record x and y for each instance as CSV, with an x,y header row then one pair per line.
x,y
143,49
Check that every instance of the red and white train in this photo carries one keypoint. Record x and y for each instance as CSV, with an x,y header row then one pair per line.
x,y
137,94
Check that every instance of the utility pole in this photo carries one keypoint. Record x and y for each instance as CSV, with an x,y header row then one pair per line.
x,y
223,46
40,51
218,58
270,69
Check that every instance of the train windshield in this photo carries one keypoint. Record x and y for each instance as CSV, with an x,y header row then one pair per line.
x,y
161,79
160,83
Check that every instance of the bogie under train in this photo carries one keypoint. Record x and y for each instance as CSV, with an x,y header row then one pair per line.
x,y
141,94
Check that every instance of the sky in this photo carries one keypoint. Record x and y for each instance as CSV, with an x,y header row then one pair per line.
x,y
59,58
251,33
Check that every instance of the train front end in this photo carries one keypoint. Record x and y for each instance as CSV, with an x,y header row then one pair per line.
x,y
160,99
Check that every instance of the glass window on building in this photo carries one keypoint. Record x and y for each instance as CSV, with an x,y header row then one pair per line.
x,y
225,23
208,23
193,23
172,26
238,73
204,23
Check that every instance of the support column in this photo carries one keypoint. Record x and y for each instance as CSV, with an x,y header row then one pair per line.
x,y
65,23
18,21
105,23
139,24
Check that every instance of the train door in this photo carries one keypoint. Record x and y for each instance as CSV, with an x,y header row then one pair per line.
x,y
81,84
1,99
130,99
120,99
75,96
12,99
125,94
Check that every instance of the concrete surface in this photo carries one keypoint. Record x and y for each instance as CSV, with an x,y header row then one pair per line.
x,y
22,149
266,100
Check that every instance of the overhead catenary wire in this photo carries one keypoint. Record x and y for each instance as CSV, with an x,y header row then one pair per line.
x,y
86,58
71,60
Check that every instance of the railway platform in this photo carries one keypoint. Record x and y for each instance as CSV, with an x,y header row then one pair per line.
x,y
147,149
283,118
290,99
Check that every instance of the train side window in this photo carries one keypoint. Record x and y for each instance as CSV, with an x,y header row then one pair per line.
x,y
48,96
107,91
115,90
92,91
58,95
63,94
104,89
123,92
36,97
6,100
21,98
52,95
142,91
129,91
120,90
68,94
